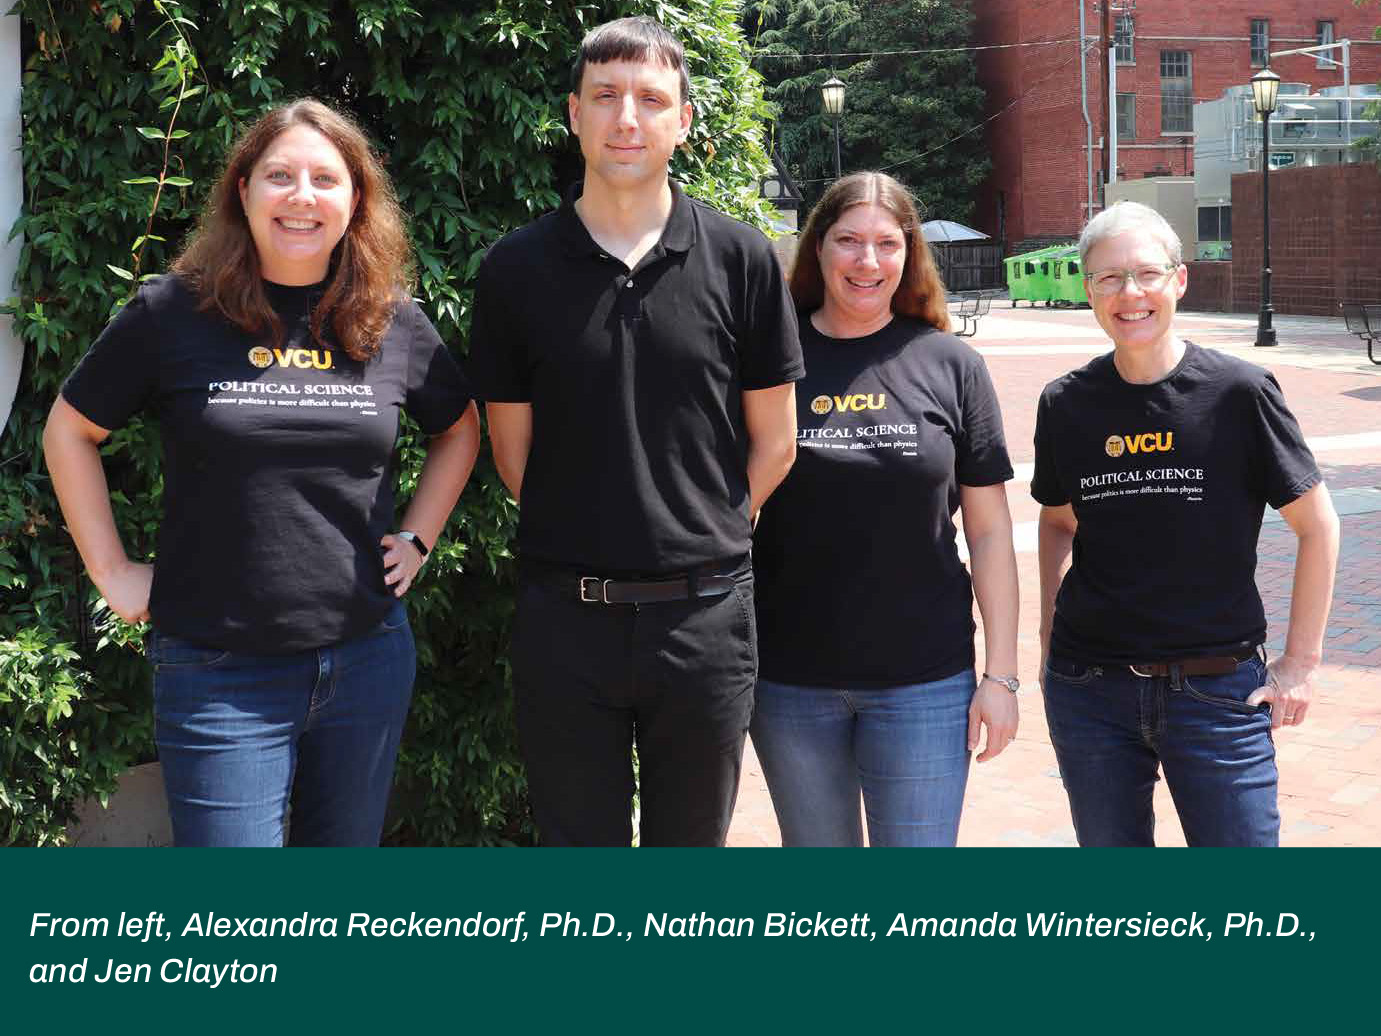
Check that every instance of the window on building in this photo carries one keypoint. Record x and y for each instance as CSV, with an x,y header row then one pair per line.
x,y
1126,116
1208,223
1122,40
1176,92
1215,223
1324,34
1261,42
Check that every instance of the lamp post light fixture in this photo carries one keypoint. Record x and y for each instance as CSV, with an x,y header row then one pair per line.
x,y
1265,87
832,95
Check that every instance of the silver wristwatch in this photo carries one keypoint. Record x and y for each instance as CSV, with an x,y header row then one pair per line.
x,y
1010,682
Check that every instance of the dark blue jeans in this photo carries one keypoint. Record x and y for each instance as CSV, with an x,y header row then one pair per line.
x,y
244,737
1113,729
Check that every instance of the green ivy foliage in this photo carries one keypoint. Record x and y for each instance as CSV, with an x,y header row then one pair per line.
x,y
467,101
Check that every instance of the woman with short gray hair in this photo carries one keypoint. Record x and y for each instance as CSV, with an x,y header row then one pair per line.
x,y
1125,217
1153,465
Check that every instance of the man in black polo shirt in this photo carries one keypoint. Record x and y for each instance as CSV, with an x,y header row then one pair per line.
x,y
636,349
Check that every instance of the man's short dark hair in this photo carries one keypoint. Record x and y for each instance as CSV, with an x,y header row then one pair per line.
x,y
631,39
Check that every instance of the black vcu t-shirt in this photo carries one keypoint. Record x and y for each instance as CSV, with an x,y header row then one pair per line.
x,y
278,473
859,579
1169,482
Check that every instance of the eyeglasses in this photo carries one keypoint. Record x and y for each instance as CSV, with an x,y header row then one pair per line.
x,y
1147,278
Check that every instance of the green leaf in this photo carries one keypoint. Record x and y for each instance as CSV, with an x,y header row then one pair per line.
x,y
120,272
152,132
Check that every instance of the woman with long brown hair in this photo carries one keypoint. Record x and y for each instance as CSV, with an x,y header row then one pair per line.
x,y
864,606
276,356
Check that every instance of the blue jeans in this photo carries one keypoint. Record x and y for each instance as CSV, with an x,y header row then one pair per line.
x,y
904,748
241,737
1113,729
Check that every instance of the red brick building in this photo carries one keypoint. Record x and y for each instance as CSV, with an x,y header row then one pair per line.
x,y
1171,54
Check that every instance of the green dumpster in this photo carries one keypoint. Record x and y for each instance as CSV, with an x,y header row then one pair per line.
x,y
1068,280
1016,281
1029,276
1040,274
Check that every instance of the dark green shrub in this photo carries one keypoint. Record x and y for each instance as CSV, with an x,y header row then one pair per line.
x,y
467,102
61,740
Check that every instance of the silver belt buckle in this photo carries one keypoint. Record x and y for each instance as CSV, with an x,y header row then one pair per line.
x,y
600,587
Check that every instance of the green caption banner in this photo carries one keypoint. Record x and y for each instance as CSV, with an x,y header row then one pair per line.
x,y
540,938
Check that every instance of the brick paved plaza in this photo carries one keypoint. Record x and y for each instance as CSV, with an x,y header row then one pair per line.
x,y
1331,766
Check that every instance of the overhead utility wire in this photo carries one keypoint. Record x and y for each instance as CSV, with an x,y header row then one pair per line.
x,y
972,129
896,53
1036,10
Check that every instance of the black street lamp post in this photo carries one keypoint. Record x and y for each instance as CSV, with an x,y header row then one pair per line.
x,y
1265,87
832,94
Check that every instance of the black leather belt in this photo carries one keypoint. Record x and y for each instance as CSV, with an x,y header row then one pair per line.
x,y
1212,665
594,590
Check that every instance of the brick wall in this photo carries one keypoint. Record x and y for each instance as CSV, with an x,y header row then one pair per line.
x,y
1038,143
1038,136
1325,238
1210,288
1032,244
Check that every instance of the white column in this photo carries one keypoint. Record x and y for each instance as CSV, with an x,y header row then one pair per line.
x,y
11,201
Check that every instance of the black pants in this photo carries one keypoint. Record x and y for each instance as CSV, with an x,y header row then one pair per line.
x,y
591,680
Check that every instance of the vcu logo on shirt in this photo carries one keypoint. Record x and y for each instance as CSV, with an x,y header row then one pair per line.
x,y
304,359
857,402
1145,442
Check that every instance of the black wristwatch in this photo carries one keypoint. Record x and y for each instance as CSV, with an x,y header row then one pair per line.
x,y
415,540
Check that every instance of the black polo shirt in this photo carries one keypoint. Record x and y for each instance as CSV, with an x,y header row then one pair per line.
x,y
639,459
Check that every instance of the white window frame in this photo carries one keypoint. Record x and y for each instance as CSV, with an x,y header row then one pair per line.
x,y
1325,33
1265,51
1186,99
1125,41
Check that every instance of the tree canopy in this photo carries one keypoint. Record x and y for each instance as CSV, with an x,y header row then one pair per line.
x,y
914,115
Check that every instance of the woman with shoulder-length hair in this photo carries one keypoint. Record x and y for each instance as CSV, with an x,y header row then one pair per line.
x,y
864,606
276,357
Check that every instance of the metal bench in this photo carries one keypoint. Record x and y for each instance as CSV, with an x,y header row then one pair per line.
x,y
970,309
1364,321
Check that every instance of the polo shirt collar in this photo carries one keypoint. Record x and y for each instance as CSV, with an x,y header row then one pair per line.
x,y
679,235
